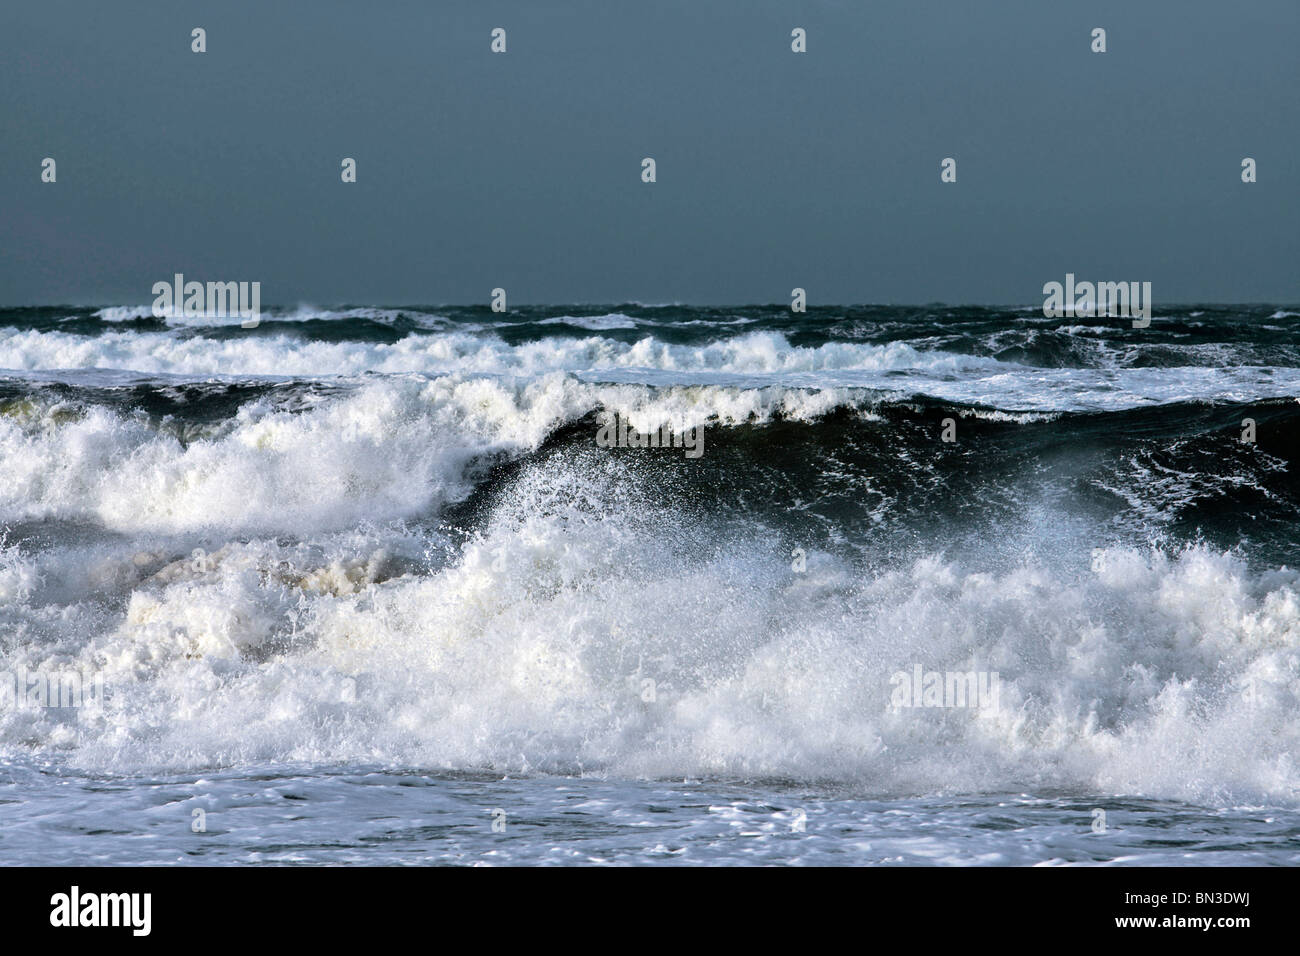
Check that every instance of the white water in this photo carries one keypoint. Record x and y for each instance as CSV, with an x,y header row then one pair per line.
x,y
1142,673
324,624
750,359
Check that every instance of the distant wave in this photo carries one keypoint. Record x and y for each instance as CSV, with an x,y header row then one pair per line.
x,y
750,360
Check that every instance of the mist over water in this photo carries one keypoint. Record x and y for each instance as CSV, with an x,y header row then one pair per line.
x,y
384,541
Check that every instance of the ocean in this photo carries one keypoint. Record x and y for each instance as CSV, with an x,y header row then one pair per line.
x,y
937,585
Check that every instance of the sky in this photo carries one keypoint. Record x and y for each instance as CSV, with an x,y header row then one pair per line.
x,y
775,169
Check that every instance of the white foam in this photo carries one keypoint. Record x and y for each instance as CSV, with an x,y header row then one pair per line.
x,y
166,353
1166,676
124,313
1174,676
595,323
757,358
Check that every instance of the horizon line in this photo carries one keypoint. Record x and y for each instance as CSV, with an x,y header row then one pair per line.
x,y
1188,303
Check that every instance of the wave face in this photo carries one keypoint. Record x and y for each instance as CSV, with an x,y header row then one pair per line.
x,y
390,536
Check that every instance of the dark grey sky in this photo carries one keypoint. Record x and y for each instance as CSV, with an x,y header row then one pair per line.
x,y
775,169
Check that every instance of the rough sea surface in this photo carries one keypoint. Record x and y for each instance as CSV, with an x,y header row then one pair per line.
x,y
359,586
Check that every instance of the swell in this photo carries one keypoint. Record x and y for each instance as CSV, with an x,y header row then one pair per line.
x,y
876,480
834,465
